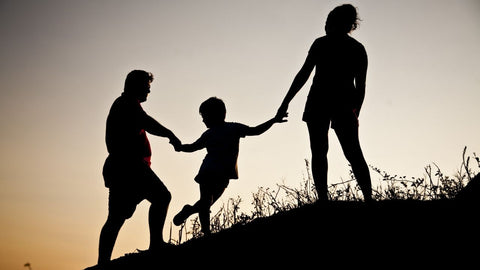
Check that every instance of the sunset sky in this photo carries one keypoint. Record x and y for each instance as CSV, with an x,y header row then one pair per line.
x,y
62,64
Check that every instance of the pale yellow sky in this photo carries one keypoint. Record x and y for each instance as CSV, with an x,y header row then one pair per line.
x,y
64,62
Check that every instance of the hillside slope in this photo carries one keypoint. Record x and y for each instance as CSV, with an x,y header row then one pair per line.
x,y
388,234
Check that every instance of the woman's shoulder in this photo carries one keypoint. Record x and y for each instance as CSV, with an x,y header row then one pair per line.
x,y
355,42
320,40
319,43
340,40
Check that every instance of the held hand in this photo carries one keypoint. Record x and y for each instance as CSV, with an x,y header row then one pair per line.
x,y
282,111
178,148
280,118
176,143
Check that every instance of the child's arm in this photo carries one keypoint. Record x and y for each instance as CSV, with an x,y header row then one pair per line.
x,y
197,145
254,131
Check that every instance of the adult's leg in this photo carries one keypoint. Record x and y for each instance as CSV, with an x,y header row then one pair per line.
x,y
318,132
159,197
108,237
120,206
347,133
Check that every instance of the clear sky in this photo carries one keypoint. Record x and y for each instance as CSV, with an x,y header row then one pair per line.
x,y
62,63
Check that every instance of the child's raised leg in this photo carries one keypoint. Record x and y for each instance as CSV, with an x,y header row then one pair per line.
x,y
187,211
209,194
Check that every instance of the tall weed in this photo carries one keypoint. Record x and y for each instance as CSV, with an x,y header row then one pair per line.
x,y
433,185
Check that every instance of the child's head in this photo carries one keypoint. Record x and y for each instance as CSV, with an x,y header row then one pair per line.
x,y
213,111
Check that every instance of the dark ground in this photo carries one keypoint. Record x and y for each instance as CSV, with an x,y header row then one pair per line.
x,y
383,235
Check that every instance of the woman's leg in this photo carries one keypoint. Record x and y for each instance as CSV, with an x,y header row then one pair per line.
x,y
318,132
347,133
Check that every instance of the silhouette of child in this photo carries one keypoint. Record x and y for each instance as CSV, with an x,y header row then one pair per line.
x,y
220,164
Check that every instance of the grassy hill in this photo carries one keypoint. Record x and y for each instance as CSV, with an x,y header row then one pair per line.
x,y
385,234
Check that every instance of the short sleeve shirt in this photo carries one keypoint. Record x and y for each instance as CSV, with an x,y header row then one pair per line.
x,y
222,144
125,134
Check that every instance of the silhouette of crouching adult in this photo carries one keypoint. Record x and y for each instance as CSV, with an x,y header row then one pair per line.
x,y
127,171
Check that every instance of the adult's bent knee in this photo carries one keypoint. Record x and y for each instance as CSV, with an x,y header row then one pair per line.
x,y
168,197
162,197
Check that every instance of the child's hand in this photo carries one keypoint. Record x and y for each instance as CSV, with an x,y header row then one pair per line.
x,y
176,143
178,148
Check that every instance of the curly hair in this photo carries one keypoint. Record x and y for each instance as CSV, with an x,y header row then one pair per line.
x,y
137,78
342,20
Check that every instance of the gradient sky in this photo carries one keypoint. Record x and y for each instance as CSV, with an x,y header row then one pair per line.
x,y
62,63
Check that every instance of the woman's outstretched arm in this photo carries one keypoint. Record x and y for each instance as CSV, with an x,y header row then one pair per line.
x,y
297,84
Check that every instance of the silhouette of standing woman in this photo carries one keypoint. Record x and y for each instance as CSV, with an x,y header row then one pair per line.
x,y
335,97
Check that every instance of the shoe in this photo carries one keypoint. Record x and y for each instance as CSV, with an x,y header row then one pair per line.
x,y
180,218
